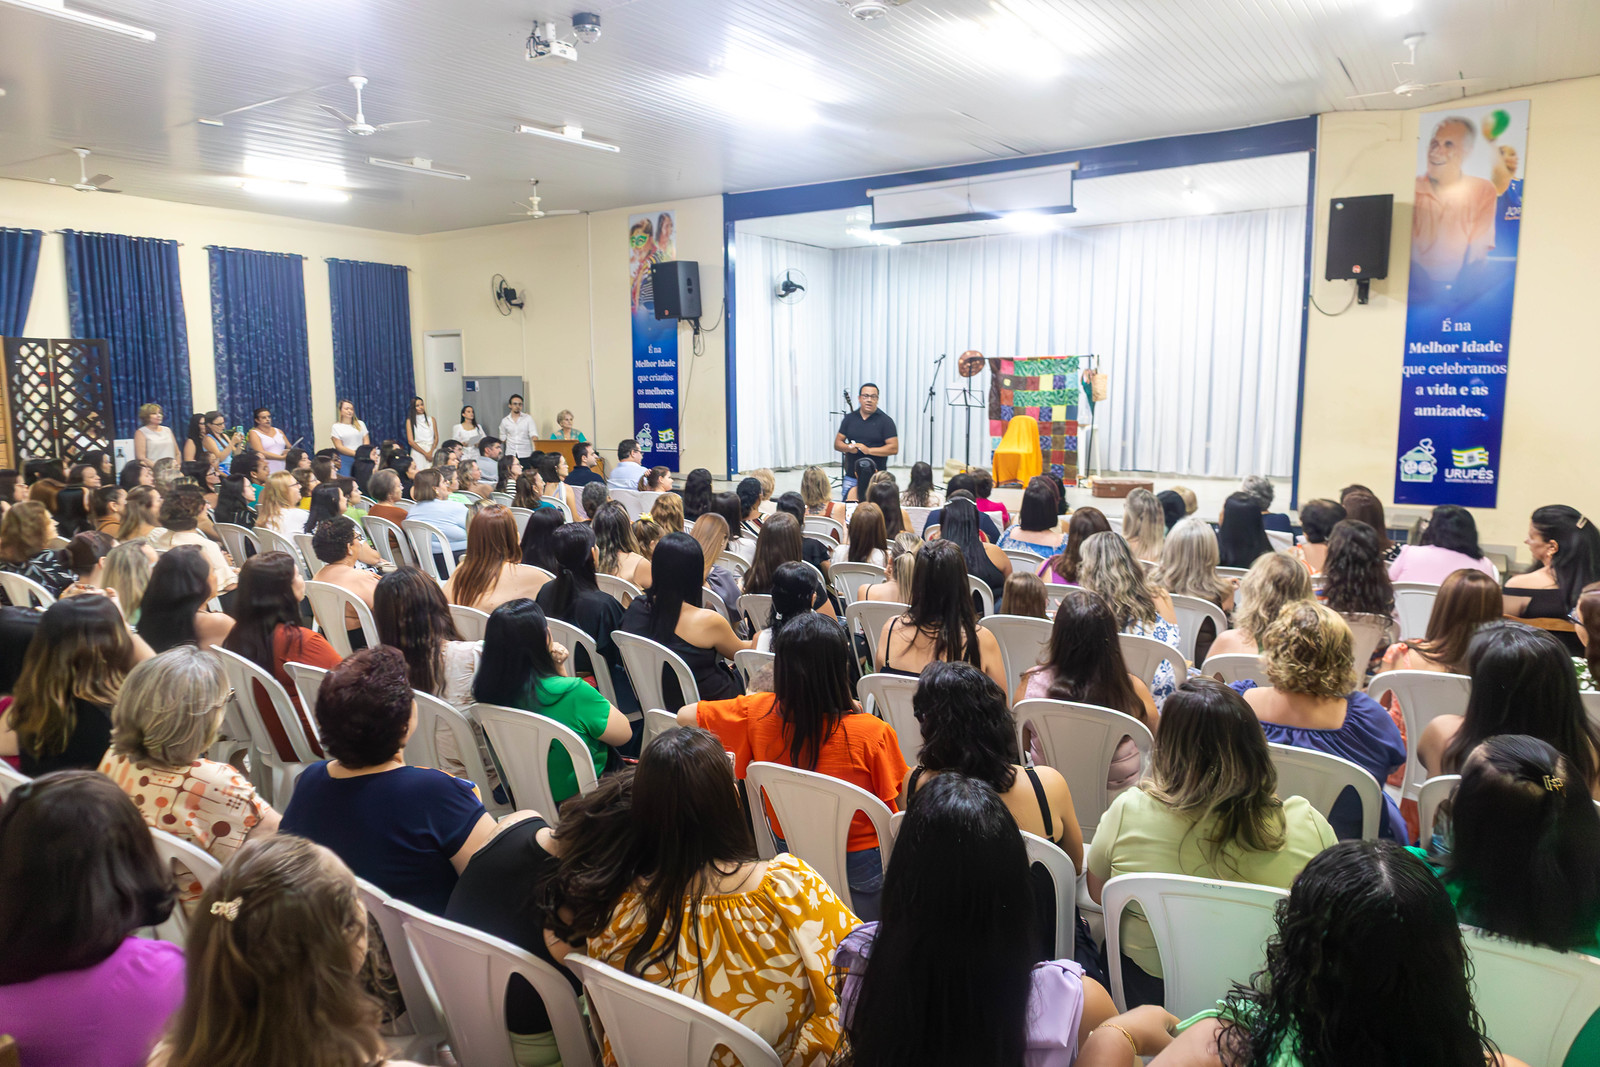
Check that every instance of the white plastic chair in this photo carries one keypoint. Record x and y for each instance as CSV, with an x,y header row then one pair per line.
x,y
985,594
712,600
302,542
572,638
521,743
1232,572
1191,612
1079,740
890,696
648,1025
1533,1000
734,562
25,592
1413,605
420,1011
816,811
1064,877
619,588
423,748
1321,777
503,499
1023,641
758,607
1144,656
749,661
467,971
185,858
871,616
1235,667
470,622
274,776
848,578
1423,697
821,524
425,537
520,516
1367,631
272,541
10,778
390,541
645,659
917,518
307,682
236,539
629,499
1281,541
1208,933
1024,561
1591,705
1434,792
656,723
328,604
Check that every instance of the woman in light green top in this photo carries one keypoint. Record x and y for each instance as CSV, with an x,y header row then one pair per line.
x,y
564,430
1367,968
1208,808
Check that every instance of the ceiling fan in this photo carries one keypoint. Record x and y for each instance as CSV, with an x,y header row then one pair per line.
x,y
1407,88
359,125
531,209
84,184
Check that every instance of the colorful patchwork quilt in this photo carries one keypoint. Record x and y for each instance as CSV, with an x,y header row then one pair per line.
x,y
1046,388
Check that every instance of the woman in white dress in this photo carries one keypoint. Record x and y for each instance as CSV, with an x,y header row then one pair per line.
x,y
469,433
349,433
422,433
268,440
153,441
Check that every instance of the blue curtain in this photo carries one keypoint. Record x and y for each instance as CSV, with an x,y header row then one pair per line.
x,y
372,343
126,291
19,259
258,317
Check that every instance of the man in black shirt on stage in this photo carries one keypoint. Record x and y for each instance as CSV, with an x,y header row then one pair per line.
x,y
866,433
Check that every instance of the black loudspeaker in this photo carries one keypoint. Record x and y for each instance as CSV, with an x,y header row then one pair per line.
x,y
677,289
1358,237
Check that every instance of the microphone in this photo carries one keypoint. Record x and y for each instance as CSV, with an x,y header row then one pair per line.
x,y
849,406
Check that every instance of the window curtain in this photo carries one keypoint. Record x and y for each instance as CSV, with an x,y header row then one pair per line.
x,y
126,291
19,260
372,363
258,317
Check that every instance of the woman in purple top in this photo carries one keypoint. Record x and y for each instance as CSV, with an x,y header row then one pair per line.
x,y
78,875
949,975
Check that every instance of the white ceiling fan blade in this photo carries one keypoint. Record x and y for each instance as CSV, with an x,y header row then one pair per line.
x,y
1454,83
396,125
99,179
100,189
336,113
569,211
1363,96
40,181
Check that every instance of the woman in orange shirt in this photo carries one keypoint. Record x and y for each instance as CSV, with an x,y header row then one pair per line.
x,y
812,721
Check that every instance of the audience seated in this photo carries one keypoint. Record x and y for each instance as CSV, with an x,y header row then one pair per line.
x,y
1273,581
883,492
963,483
592,496
340,548
79,877
1566,546
165,719
816,494
898,571
85,556
680,899
618,554
386,493
812,550
528,490
72,511
25,535
233,502
982,488
365,465
434,506
1173,507
670,615
536,550
491,573
278,508
1449,543
1188,567
1144,525
919,491
985,561
646,532
940,622
951,972
711,532
575,597
1361,505
134,473
1062,568
863,470
414,618
812,721
749,496
1025,595
668,513
174,608
408,830
105,509
697,494
1317,520
795,591
1142,608
126,574
1261,492
1241,536
1355,581
866,538
1038,528
141,512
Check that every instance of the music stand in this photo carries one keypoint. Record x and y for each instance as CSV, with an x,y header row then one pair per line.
x,y
964,397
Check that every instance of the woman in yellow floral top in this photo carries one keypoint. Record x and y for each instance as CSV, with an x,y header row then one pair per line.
x,y
685,903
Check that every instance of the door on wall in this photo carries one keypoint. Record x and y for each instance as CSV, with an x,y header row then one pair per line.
x,y
441,368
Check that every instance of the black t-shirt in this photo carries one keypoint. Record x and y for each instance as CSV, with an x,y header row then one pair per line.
x,y
583,476
91,736
873,432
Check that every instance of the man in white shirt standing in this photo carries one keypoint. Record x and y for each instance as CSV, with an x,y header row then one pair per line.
x,y
517,431
628,471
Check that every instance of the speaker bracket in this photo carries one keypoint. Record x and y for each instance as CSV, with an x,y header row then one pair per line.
x,y
1363,287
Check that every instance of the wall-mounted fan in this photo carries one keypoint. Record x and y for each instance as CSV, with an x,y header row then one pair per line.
x,y
505,297
791,287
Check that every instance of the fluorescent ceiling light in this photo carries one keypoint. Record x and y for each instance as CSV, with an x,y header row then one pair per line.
x,y
293,190
1004,43
755,100
304,171
569,135
418,165
873,236
58,9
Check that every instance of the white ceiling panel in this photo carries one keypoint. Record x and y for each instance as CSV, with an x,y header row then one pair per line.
x,y
707,96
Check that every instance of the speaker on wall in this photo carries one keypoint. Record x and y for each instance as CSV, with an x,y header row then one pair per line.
x,y
677,289
1358,237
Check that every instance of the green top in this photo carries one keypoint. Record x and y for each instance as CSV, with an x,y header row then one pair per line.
x,y
577,435
1281,1057
579,706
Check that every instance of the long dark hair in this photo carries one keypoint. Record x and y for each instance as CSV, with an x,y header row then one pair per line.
x,y
1085,656
1084,524
959,526
957,888
572,545
811,678
867,532
325,501
696,494
1328,996
1526,844
1523,683
1362,506
941,602
179,585
1355,579
675,570
1467,600
1577,560
232,504
966,727
1242,535
362,466
919,489
537,549
598,856
72,511
1454,528
779,542
516,655
794,593
884,494
413,616
1038,511
263,601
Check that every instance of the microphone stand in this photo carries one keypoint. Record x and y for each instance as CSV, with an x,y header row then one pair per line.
x,y
927,405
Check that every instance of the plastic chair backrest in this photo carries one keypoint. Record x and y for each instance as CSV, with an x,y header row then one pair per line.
x,y
821,524
647,1025
236,539
1023,641
328,604
573,638
1321,778
629,499
420,1010
1232,572
1367,630
503,499
10,778
918,518
307,681
184,857
521,516
279,785
302,541
758,606
25,592
816,811
1281,541
619,588
1235,667
470,622
1024,561
1064,877
1208,933
1144,656
1591,705
1191,612
467,971
1413,605
985,594
871,616
272,541
734,562
521,742
891,698
1423,697
423,748
1534,1000
848,578
424,537
712,600
645,659
1432,793
748,661
390,541
656,723
647,503
1079,740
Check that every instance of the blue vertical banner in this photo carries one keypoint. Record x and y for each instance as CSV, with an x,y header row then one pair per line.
x,y
1464,236
655,343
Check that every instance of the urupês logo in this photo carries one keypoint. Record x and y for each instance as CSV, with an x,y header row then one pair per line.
x,y
1470,457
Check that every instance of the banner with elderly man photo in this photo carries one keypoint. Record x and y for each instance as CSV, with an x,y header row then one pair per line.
x,y
1464,234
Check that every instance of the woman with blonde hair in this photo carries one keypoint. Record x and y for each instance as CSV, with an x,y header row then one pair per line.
x,y
817,491
619,552
140,513
1144,524
667,512
1274,580
1188,567
646,532
279,507
25,535
153,440
897,570
711,530
127,573
564,430
1141,608
492,571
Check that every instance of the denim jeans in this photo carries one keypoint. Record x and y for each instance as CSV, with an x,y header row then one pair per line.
x,y
849,484
864,871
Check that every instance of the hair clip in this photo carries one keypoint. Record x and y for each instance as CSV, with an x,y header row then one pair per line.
x,y
1583,520
1553,784
228,909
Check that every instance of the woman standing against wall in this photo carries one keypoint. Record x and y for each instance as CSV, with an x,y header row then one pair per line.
x,y
348,435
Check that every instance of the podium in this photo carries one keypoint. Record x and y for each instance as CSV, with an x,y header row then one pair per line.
x,y
565,449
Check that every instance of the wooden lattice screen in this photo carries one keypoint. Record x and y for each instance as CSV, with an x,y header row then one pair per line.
x,y
59,398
